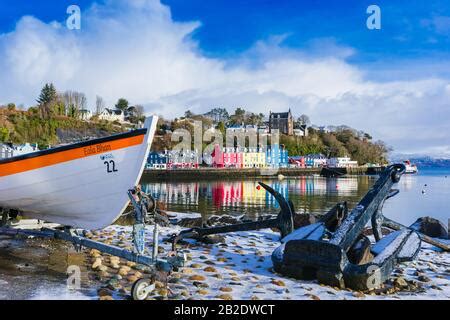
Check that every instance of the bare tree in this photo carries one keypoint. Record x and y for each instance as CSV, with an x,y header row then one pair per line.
x,y
67,98
139,109
99,105
74,101
303,120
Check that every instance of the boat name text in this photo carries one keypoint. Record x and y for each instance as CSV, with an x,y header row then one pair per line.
x,y
99,148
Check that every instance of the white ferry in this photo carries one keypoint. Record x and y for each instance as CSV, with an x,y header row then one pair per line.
x,y
410,168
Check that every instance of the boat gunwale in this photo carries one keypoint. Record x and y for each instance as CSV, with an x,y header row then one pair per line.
x,y
76,145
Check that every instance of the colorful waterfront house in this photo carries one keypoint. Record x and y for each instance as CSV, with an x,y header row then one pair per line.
x,y
183,159
21,149
273,156
254,158
309,162
342,162
320,162
6,151
217,157
157,161
232,158
315,160
297,161
277,156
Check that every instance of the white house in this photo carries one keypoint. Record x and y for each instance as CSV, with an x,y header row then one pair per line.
x,y
24,149
112,115
5,151
85,114
319,162
302,131
8,151
343,162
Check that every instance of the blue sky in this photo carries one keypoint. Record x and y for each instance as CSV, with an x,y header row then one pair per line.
x,y
316,57
407,30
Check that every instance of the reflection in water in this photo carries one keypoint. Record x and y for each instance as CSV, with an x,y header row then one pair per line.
x,y
426,194
309,194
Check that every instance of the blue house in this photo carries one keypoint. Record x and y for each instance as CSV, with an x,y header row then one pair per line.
x,y
315,160
157,160
277,156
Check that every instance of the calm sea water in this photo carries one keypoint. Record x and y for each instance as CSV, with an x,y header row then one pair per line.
x,y
424,194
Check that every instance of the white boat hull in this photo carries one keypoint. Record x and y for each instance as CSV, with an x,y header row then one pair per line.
x,y
411,169
88,191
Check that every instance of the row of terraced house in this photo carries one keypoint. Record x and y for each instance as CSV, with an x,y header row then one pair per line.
x,y
274,156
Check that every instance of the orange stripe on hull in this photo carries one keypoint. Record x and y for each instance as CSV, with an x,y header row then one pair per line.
x,y
19,166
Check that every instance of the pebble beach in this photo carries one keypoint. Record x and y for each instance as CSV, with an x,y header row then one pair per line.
x,y
237,267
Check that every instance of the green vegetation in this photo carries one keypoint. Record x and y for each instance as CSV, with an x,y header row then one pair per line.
x,y
122,104
338,142
55,113
341,142
28,126
48,94
60,112
4,134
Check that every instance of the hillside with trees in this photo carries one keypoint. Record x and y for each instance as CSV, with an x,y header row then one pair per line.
x,y
57,118
342,142
336,141
54,120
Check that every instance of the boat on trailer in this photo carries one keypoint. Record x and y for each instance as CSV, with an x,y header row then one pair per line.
x,y
82,185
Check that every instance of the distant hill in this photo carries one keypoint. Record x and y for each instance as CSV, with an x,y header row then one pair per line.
x,y
431,162
422,160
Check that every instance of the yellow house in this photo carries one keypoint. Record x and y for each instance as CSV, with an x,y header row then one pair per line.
x,y
254,158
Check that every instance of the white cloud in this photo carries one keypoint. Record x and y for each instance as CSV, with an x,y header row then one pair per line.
x,y
134,49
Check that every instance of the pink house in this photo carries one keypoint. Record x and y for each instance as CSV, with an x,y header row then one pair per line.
x,y
232,158
218,157
227,158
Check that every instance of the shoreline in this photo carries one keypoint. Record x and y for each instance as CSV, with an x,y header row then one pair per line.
x,y
233,173
238,266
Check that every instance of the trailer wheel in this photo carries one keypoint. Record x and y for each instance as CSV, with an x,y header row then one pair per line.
x,y
141,289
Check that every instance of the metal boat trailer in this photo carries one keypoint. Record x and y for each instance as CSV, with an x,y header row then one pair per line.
x,y
144,207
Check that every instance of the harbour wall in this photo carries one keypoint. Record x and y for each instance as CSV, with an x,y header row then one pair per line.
x,y
231,173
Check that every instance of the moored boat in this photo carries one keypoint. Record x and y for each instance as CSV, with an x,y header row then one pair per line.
x,y
410,168
82,185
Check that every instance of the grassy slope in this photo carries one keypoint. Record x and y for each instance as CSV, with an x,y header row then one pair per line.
x,y
27,126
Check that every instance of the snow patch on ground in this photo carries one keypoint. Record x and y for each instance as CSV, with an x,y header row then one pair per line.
x,y
60,292
242,268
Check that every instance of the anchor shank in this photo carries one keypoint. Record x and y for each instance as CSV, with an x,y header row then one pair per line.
x,y
351,227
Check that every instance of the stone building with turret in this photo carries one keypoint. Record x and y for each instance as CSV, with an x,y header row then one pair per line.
x,y
283,121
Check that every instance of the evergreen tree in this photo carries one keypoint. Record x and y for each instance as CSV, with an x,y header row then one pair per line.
x,y
48,94
122,104
47,99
